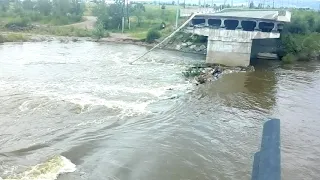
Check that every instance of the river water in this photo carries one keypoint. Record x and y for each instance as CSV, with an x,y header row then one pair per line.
x,y
80,111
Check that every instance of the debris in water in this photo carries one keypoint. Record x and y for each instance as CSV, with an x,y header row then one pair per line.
x,y
209,73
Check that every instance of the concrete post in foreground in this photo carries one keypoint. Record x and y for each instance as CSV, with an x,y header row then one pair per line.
x,y
267,162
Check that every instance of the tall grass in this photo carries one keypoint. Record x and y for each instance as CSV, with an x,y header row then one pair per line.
x,y
13,37
62,31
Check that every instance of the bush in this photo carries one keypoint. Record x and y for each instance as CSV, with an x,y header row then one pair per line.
x,y
18,22
13,37
2,39
82,33
289,58
304,47
98,32
152,35
34,16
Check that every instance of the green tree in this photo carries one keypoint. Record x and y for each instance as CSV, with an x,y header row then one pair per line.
x,y
44,7
77,7
297,26
28,5
4,5
61,7
311,21
251,5
116,12
138,10
17,8
110,16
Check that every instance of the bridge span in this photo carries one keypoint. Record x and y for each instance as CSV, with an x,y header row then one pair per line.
x,y
231,34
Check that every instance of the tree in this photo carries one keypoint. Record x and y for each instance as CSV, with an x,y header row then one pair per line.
x,y
77,7
44,7
17,8
110,15
251,6
28,5
4,5
61,7
116,12
311,21
138,9
297,26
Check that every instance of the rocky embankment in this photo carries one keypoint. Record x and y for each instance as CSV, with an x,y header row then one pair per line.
x,y
186,42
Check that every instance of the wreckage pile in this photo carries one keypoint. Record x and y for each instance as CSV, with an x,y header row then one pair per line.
x,y
201,74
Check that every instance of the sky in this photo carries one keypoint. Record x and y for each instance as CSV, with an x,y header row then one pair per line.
x,y
283,3
278,3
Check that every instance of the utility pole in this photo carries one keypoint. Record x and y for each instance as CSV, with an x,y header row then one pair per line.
x,y
273,4
178,14
128,15
122,22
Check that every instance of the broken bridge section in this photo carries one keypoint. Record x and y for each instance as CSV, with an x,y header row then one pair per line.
x,y
230,34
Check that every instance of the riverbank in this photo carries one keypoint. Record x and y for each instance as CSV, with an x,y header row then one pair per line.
x,y
182,42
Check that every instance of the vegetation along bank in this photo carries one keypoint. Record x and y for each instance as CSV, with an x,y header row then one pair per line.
x,y
143,24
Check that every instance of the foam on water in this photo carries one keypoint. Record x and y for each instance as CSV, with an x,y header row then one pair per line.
x,y
127,108
49,170
136,102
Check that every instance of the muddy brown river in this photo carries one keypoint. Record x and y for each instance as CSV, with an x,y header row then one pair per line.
x,y
79,111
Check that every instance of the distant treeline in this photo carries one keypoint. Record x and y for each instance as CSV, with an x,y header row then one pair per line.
x,y
55,12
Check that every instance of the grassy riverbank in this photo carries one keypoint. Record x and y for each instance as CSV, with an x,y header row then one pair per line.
x,y
13,37
41,17
51,17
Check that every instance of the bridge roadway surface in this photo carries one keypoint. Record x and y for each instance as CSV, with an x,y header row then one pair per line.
x,y
273,15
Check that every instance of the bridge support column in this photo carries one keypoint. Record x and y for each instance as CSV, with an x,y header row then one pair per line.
x,y
222,23
275,27
206,22
228,47
257,28
239,24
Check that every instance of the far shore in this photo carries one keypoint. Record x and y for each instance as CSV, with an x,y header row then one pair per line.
x,y
113,38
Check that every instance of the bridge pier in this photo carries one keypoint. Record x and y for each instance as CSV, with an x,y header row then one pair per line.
x,y
232,48
231,34
228,47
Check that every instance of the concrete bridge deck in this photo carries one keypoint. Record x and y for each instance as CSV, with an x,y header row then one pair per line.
x,y
262,15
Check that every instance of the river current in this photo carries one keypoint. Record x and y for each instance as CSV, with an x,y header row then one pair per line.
x,y
80,111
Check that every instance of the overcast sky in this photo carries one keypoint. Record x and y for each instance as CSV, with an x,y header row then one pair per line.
x,y
278,3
